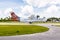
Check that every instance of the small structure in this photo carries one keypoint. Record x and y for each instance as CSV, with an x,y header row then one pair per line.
x,y
14,17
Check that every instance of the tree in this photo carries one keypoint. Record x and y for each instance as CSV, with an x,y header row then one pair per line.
x,y
32,17
52,19
37,16
1,19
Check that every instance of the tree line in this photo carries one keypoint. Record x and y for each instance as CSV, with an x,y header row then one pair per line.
x,y
53,19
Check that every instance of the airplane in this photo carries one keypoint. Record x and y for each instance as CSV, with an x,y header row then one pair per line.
x,y
30,19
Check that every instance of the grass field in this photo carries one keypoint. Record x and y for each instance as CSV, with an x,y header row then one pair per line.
x,y
9,30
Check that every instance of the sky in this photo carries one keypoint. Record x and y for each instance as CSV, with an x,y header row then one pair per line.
x,y
25,8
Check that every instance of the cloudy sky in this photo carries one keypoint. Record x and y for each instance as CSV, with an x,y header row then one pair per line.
x,y
25,8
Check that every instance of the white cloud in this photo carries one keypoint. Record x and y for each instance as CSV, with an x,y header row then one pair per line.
x,y
0,13
42,3
20,11
7,4
8,10
6,7
27,10
51,11
37,3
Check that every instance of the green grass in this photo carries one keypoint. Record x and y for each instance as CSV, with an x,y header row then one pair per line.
x,y
10,30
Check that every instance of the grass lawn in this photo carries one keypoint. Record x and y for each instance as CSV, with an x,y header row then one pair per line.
x,y
9,30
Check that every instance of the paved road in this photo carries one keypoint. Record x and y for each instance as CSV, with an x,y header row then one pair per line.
x,y
52,34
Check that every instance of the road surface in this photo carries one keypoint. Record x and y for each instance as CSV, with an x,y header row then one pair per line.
x,y
52,34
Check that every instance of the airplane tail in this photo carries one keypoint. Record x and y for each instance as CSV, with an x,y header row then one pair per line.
x,y
14,17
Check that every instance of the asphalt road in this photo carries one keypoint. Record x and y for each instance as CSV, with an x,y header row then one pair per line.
x,y
52,34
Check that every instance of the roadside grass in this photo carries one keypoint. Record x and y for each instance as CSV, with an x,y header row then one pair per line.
x,y
10,30
46,22
57,25
21,23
